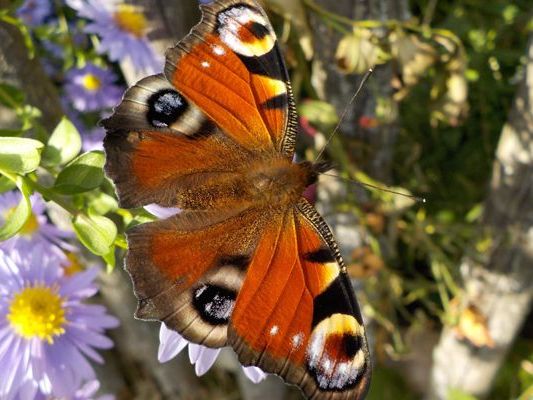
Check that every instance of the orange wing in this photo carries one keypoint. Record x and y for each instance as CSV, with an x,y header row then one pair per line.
x,y
231,67
160,148
296,314
187,270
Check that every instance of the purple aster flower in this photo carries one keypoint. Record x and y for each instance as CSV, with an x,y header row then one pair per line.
x,y
47,333
92,88
122,29
172,343
37,230
34,12
93,139
86,392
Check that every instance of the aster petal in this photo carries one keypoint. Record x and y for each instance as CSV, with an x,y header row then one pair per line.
x,y
170,344
6,344
38,358
160,211
253,373
66,368
92,316
90,352
14,371
34,12
78,283
28,389
93,338
202,357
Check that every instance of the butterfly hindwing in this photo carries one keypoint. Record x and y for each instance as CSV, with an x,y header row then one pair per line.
x,y
188,269
231,66
296,315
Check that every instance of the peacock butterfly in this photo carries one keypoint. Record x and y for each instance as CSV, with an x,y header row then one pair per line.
x,y
248,263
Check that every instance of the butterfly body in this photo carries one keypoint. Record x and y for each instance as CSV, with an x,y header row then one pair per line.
x,y
267,183
248,262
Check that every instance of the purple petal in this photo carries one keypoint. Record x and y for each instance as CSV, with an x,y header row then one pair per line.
x,y
160,211
255,374
171,343
78,282
202,357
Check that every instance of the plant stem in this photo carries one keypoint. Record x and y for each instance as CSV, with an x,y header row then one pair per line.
x,y
51,195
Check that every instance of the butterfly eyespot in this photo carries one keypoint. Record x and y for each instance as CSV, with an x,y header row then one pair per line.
x,y
165,108
244,30
350,344
259,31
335,355
214,303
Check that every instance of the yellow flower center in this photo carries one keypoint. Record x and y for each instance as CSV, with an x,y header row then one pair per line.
x,y
37,312
31,225
91,82
130,19
74,265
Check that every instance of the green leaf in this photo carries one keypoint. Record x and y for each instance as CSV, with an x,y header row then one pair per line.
x,y
6,184
109,259
11,132
18,216
11,96
528,394
82,174
19,155
102,204
474,214
63,145
456,394
318,113
97,233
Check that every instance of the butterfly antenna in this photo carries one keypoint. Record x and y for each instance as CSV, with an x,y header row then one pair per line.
x,y
363,81
413,197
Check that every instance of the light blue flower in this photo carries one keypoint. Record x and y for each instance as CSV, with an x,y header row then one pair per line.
x,y
122,29
92,88
47,332
34,12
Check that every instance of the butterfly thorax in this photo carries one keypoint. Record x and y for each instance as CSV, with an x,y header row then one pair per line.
x,y
277,183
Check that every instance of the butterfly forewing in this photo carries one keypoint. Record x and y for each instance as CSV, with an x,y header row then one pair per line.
x,y
253,102
160,148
